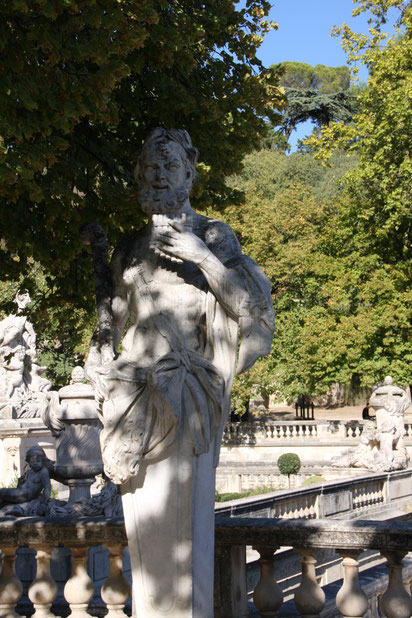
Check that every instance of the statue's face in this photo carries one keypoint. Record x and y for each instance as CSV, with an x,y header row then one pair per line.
x,y
22,299
36,461
163,167
164,177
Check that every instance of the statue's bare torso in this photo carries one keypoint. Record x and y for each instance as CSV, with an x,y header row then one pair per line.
x,y
178,291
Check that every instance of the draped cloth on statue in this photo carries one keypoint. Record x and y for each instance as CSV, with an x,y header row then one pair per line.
x,y
143,407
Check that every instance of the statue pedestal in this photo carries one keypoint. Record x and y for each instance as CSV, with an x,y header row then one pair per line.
x,y
169,517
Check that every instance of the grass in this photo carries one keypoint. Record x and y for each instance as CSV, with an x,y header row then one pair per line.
x,y
226,497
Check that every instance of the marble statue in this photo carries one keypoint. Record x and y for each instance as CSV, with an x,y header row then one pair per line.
x,y
33,487
186,295
32,496
22,387
382,447
390,403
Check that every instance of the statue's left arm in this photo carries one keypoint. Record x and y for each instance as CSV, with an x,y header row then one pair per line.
x,y
236,281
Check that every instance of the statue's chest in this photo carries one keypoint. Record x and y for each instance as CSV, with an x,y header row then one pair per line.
x,y
174,289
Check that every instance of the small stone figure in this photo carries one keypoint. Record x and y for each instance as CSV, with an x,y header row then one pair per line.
x,y
33,486
390,403
22,387
381,447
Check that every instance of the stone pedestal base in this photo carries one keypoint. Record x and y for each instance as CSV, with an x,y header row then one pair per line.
x,y
79,489
169,516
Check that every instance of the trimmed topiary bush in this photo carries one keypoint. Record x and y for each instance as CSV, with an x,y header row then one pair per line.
x,y
289,463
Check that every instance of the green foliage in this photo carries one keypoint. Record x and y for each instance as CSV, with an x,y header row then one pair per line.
x,y
338,253
374,227
312,480
228,496
320,94
320,78
62,334
289,463
82,84
320,108
271,172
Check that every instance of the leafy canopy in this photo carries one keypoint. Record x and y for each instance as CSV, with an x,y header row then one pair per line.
x,y
320,94
84,82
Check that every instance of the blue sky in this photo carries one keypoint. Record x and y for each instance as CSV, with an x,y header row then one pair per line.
x,y
303,36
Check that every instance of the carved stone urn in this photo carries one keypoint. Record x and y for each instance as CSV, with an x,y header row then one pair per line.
x,y
72,418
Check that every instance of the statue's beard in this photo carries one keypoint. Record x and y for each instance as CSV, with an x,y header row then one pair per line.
x,y
153,201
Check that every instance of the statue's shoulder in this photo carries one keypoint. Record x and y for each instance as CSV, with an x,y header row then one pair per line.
x,y
127,250
218,236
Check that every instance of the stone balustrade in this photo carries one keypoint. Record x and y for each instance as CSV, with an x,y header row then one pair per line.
x,y
250,451
349,498
349,539
258,432
233,536
42,536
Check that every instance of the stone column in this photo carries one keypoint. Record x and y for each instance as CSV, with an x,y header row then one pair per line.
x,y
169,517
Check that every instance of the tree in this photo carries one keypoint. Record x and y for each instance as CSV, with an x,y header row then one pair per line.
x,y
320,78
83,82
321,94
341,268
289,463
320,108
376,218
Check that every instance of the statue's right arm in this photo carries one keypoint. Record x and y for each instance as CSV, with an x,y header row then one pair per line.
x,y
120,307
120,313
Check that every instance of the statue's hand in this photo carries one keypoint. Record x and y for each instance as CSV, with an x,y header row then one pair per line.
x,y
180,243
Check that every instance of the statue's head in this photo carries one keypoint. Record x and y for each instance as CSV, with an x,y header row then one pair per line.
x,y
22,299
36,457
166,170
391,398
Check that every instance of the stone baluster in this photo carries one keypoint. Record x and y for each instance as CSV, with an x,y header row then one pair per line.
x,y
309,597
351,600
267,596
116,589
395,602
79,589
10,585
43,589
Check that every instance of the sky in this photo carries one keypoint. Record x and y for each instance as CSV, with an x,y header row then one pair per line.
x,y
303,36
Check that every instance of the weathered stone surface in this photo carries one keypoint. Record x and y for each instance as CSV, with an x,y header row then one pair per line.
x,y
382,446
22,387
33,487
71,416
186,289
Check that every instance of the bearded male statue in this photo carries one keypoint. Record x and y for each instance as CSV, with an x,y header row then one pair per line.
x,y
187,295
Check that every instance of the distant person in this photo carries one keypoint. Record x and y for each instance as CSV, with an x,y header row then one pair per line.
x,y
365,412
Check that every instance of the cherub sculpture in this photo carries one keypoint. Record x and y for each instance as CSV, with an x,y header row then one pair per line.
x,y
33,487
